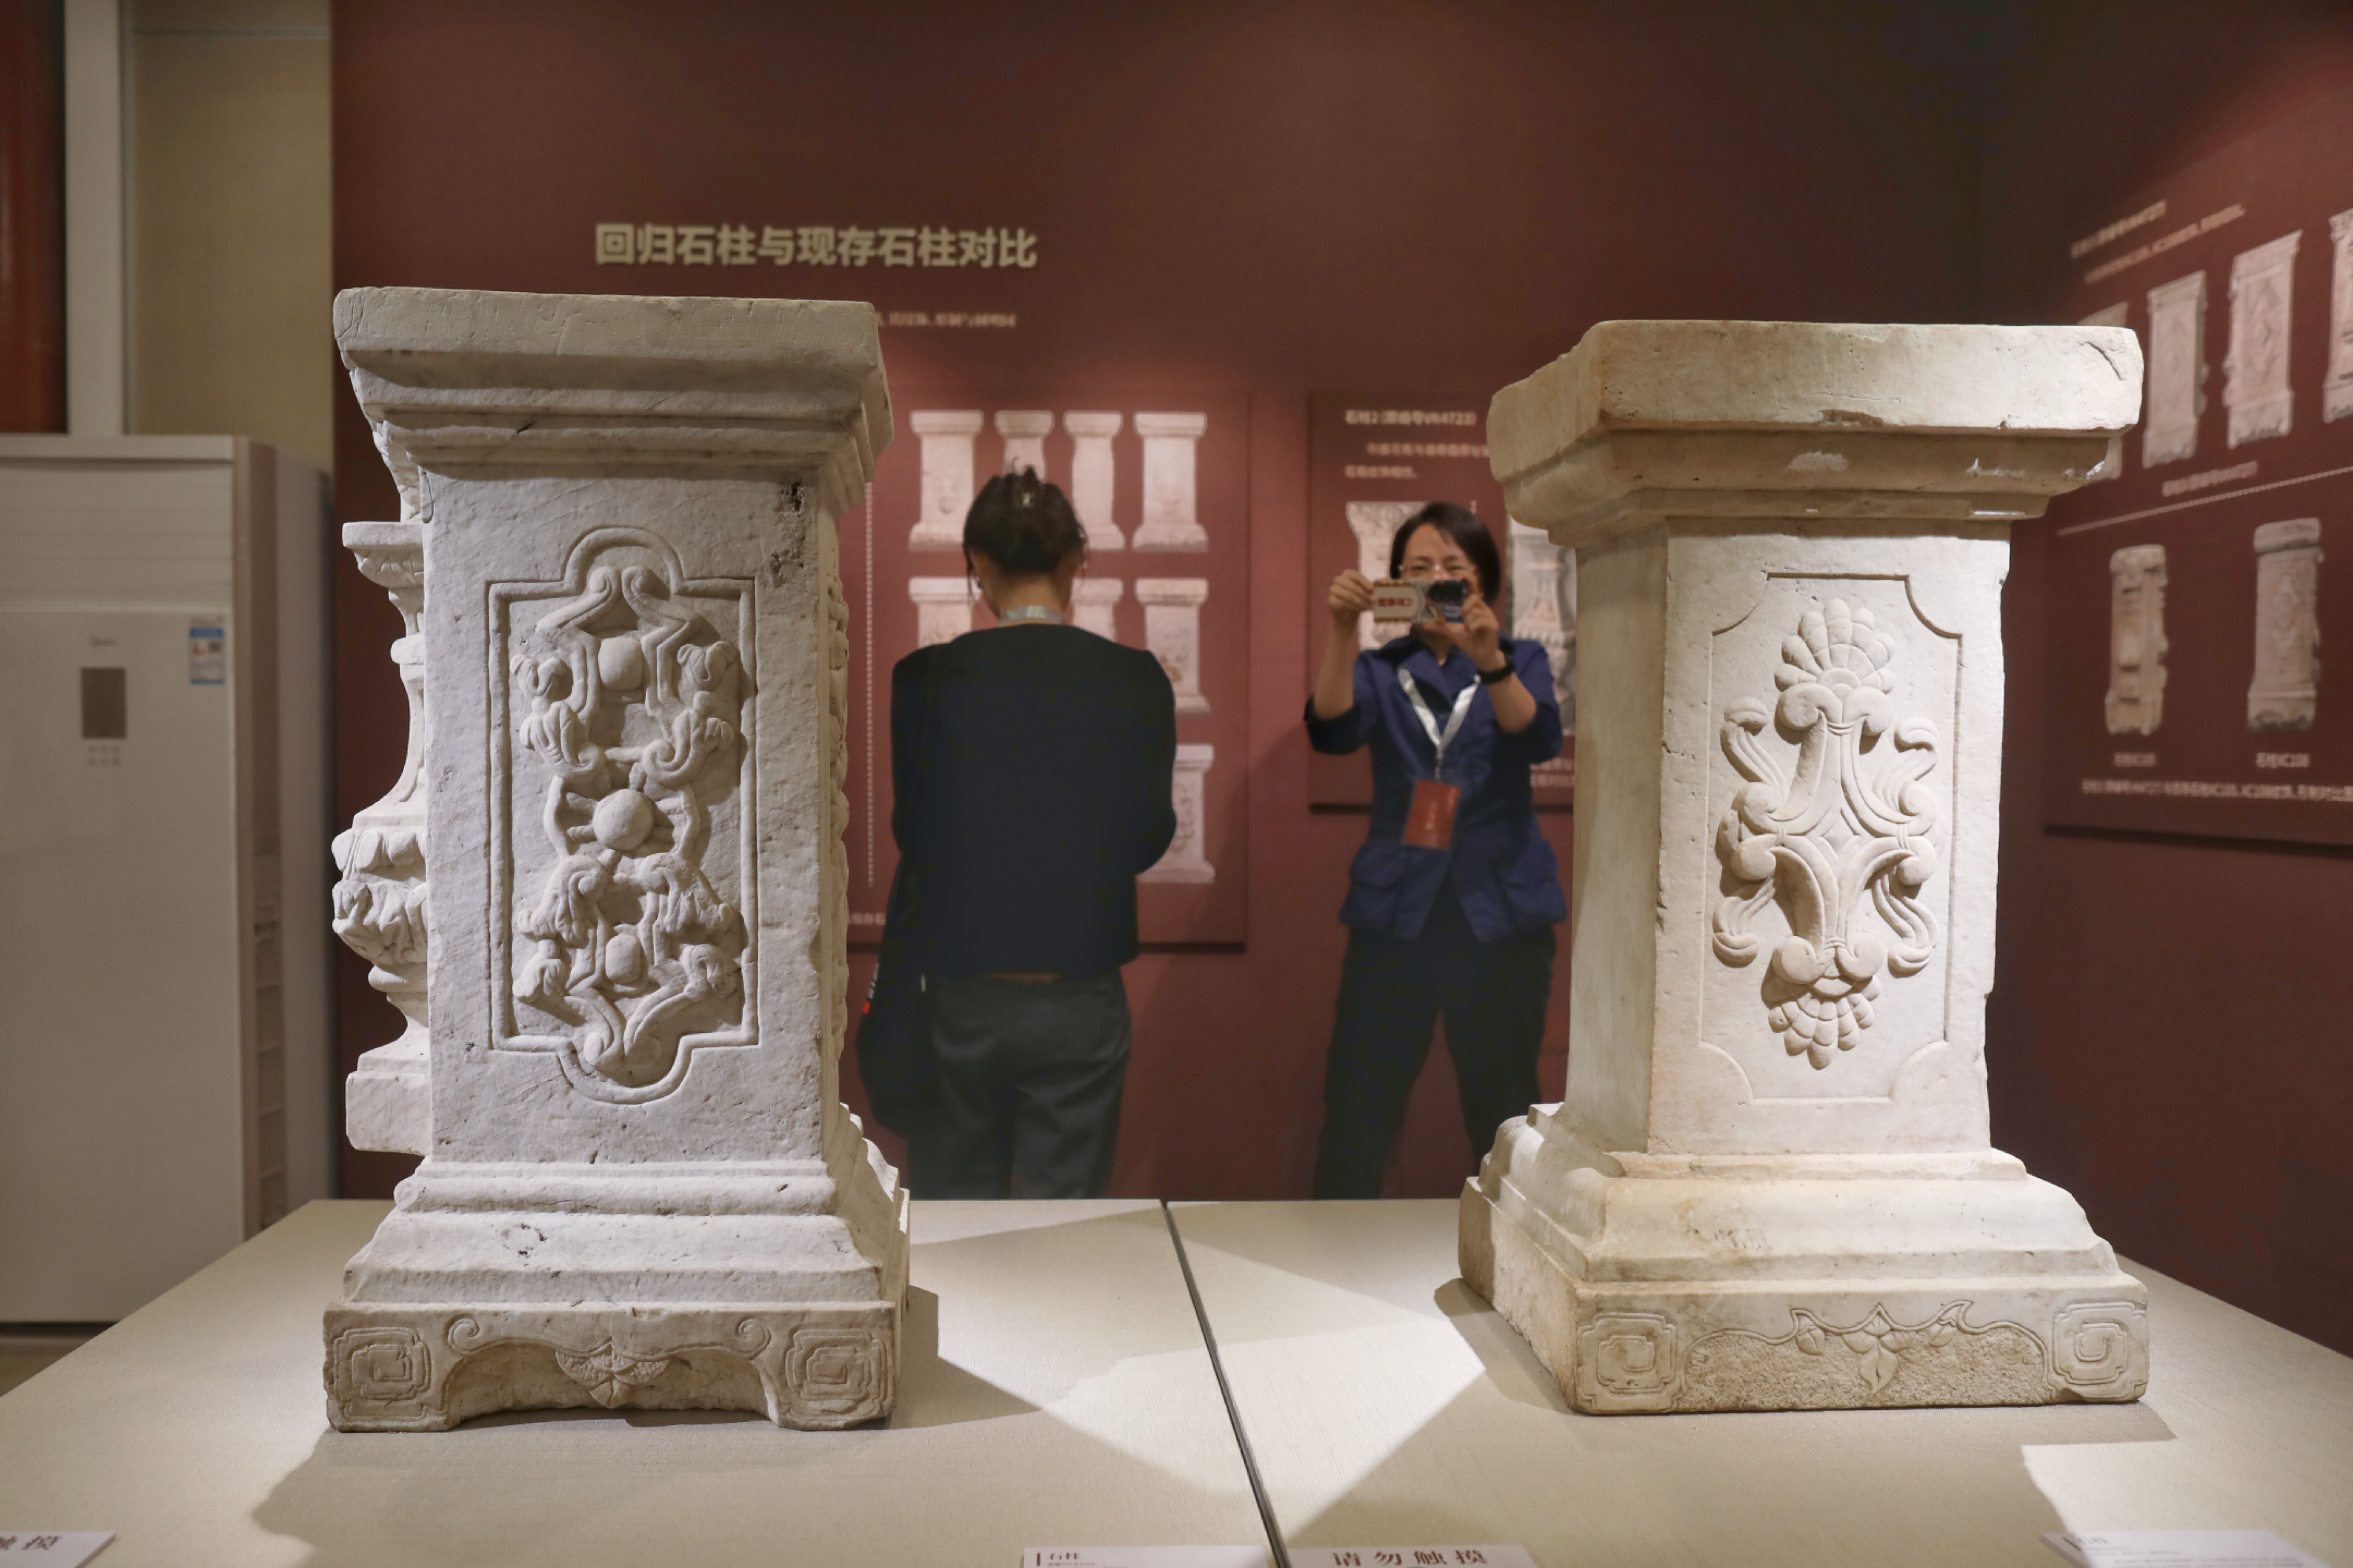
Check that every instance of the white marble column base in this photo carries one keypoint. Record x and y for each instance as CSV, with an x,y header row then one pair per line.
x,y
1794,1282
703,1288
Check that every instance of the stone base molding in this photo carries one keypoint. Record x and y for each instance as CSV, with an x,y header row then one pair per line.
x,y
1798,1284
429,1367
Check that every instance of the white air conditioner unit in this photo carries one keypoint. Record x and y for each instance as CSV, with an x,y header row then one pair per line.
x,y
164,1067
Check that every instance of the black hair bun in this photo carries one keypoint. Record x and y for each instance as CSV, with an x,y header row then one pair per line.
x,y
1023,524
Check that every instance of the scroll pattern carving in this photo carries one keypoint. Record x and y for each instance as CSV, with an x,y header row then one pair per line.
x,y
1879,1359
804,1374
378,1367
633,702
1832,1359
380,901
2100,1349
1829,836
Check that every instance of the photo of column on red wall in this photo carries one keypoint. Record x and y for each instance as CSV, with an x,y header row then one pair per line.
x,y
1161,481
1375,459
2190,602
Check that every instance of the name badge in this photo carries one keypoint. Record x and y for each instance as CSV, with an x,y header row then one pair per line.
x,y
1429,824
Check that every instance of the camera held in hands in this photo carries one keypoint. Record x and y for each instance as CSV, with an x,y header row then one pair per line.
x,y
1431,599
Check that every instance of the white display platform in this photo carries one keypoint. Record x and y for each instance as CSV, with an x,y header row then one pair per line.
x,y
1055,1390
1386,1403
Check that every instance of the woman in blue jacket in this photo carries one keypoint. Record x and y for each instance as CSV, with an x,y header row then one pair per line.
x,y
1452,899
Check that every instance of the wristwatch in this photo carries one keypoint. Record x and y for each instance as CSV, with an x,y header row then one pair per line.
x,y
1496,675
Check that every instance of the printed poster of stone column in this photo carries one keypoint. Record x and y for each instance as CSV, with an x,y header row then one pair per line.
x,y
1161,480
1374,459
2190,606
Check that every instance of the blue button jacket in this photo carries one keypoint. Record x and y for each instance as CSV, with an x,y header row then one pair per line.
x,y
1502,869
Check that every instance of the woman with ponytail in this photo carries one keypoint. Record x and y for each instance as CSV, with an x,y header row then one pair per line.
x,y
1030,766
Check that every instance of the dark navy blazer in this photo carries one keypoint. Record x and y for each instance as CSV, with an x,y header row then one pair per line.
x,y
1502,869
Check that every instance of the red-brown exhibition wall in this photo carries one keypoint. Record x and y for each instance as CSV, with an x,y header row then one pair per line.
x,y
32,218
1265,199
2172,1024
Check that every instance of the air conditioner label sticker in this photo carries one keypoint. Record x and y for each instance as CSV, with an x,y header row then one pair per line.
x,y
208,652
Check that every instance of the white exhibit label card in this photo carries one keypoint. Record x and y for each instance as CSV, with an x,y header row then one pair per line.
x,y
1147,1557
2177,1549
51,1548
1412,1557
1257,1557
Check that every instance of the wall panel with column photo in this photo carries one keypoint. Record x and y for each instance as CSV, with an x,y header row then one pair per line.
x,y
1375,459
2193,594
1160,480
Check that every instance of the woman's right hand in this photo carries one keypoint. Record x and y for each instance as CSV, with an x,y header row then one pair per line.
x,y
1351,597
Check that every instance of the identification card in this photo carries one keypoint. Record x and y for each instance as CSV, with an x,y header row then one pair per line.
x,y
1430,824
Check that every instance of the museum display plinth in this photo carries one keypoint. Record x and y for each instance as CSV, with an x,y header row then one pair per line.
x,y
640,1186
1771,1185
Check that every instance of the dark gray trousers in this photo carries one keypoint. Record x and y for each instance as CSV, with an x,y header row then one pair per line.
x,y
1392,993
1027,1101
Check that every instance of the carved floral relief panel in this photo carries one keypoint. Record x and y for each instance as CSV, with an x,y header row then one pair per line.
x,y
624,863
1830,802
2176,370
2256,370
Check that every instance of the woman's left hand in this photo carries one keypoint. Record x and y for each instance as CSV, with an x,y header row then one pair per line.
x,y
1477,633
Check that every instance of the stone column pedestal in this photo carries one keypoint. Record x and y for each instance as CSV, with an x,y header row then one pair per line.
x,y
380,901
942,608
1540,610
1187,859
2135,704
2286,692
1172,633
1025,431
2337,391
1094,605
2176,370
946,435
1769,1185
2256,369
1172,519
641,1187
1093,476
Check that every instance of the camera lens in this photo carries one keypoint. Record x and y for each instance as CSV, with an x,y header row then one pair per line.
x,y
1449,591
